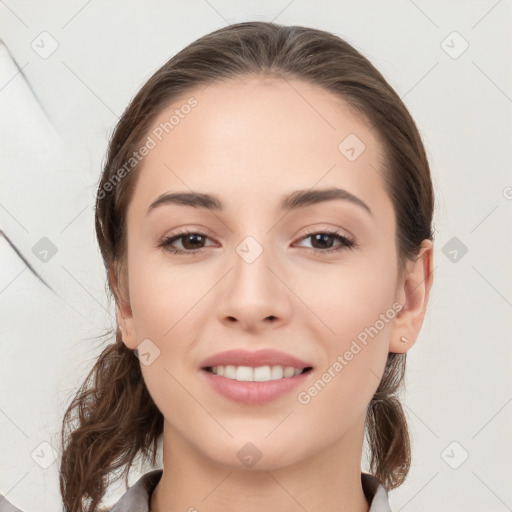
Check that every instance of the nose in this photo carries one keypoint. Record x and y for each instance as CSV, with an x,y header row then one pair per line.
x,y
254,294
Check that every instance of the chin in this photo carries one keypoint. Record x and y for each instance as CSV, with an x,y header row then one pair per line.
x,y
254,454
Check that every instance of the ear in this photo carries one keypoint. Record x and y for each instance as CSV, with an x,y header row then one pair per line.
x,y
413,295
124,315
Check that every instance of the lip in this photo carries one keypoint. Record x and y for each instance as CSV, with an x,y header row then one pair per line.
x,y
264,357
253,393
248,392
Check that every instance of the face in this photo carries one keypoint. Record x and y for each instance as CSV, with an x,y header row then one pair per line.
x,y
314,279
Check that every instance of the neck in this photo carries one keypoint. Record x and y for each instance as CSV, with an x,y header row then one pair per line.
x,y
328,480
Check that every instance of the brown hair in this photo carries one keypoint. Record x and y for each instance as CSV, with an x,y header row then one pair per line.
x,y
116,418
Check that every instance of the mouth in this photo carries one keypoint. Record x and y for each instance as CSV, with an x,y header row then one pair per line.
x,y
264,373
255,377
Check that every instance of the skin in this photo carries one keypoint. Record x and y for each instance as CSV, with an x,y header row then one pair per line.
x,y
251,141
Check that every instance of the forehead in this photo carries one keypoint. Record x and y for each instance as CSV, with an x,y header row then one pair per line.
x,y
254,138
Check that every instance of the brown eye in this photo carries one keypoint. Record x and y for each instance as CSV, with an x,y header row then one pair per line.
x,y
324,241
191,242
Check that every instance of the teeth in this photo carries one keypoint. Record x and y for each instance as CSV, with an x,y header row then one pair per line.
x,y
244,373
288,372
258,374
262,373
230,371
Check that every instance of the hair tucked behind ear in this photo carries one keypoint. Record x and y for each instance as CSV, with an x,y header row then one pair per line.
x,y
114,414
115,418
386,427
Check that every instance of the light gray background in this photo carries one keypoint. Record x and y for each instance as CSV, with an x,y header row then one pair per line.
x,y
56,115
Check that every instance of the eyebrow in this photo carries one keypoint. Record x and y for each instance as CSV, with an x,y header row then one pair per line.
x,y
295,200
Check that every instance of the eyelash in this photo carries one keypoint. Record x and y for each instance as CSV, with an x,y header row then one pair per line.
x,y
346,243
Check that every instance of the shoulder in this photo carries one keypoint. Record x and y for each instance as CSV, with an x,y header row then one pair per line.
x,y
135,499
375,493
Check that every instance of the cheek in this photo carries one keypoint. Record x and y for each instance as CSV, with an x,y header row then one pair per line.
x,y
355,306
356,351
346,299
162,297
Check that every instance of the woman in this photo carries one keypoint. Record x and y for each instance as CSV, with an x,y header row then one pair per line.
x,y
265,219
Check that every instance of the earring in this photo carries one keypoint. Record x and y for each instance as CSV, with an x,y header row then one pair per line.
x,y
403,339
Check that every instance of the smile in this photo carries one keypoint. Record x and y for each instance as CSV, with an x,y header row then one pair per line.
x,y
258,374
